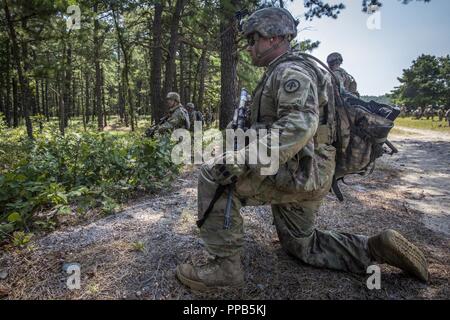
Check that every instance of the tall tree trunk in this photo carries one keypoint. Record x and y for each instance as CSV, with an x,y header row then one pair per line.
x,y
170,62
228,57
203,70
182,74
190,78
15,103
155,78
103,98
62,106
67,83
98,93
8,85
88,99
38,98
126,69
46,109
82,103
23,81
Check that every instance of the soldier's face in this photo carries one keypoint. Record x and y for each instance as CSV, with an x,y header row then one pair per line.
x,y
256,47
334,66
170,103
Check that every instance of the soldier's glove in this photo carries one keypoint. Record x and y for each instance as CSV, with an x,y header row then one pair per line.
x,y
227,169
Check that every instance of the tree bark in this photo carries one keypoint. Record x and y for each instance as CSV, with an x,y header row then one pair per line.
x,y
88,99
98,93
23,81
228,68
155,77
170,62
203,70
67,84
126,69
182,74
15,103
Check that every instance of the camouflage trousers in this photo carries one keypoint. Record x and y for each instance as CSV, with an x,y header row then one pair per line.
x,y
294,219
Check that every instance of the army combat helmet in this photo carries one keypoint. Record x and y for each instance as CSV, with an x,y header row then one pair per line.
x,y
334,58
271,22
173,96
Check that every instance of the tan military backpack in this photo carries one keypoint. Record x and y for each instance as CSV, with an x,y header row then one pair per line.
x,y
360,130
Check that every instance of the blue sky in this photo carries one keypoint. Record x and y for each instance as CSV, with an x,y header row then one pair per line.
x,y
377,57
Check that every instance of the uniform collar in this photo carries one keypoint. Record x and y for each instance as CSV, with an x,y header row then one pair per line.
x,y
278,58
172,110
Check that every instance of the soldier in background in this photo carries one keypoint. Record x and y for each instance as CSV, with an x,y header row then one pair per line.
x,y
441,113
418,113
334,61
178,117
194,115
447,116
429,112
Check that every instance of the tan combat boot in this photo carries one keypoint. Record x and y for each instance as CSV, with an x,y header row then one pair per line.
x,y
392,248
219,273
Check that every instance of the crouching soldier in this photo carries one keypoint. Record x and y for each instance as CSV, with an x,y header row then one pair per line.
x,y
287,99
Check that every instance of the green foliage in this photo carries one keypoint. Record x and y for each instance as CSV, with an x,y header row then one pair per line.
x,y
138,246
426,82
385,99
87,170
21,239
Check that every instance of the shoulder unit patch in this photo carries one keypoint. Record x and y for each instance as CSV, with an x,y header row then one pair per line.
x,y
291,85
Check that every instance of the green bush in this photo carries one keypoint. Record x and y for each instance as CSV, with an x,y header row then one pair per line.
x,y
80,170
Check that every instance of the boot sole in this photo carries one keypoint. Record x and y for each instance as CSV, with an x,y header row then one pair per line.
x,y
200,286
411,258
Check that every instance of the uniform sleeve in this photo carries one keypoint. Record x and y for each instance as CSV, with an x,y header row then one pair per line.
x,y
298,112
171,123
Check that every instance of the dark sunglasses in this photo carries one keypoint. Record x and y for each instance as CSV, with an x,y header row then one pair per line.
x,y
252,38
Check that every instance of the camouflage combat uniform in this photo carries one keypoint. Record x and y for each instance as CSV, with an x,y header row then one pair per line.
x,y
441,113
178,119
294,97
195,116
347,81
287,99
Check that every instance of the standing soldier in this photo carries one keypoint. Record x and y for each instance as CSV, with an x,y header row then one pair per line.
x,y
441,113
194,115
177,118
418,113
334,61
287,98
447,116
429,112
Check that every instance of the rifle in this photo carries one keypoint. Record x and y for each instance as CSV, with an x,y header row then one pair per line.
x,y
150,132
238,122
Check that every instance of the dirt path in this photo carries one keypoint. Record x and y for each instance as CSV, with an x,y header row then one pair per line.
x,y
133,254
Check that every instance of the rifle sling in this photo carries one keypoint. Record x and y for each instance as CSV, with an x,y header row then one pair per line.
x,y
336,189
219,191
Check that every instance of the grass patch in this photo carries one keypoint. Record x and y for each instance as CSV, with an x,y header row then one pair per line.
x,y
435,125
